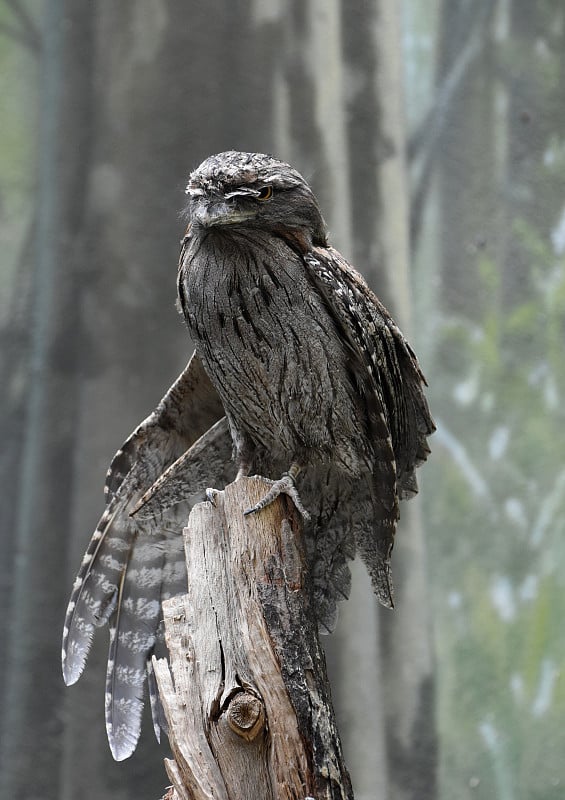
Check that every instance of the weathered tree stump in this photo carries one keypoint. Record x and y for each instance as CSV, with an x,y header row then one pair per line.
x,y
248,701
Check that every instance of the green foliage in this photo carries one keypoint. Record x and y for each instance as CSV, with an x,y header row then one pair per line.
x,y
494,488
495,502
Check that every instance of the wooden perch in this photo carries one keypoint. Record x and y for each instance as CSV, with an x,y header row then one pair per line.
x,y
248,701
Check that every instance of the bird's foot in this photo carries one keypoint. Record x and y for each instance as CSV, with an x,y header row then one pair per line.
x,y
284,485
211,496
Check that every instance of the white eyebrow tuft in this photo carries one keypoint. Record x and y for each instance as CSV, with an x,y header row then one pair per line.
x,y
242,191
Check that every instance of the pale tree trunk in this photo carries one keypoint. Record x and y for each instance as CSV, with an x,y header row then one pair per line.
x,y
406,640
390,739
246,694
471,219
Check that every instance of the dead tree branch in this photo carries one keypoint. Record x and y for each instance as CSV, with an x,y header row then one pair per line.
x,y
246,696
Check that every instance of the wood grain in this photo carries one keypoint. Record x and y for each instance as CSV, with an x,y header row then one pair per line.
x,y
246,696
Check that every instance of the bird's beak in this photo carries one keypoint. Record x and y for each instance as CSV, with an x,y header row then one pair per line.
x,y
210,211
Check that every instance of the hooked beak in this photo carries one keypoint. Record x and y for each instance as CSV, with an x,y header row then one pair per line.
x,y
208,214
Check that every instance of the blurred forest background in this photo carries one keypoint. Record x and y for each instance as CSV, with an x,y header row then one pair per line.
x,y
433,134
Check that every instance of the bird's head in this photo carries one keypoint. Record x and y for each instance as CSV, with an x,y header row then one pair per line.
x,y
253,190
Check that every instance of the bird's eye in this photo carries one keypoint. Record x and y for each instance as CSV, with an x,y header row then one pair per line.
x,y
265,193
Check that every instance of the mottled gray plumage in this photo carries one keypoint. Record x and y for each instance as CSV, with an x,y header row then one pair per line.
x,y
310,368
314,378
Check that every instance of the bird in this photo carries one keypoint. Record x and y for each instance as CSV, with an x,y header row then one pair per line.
x,y
299,374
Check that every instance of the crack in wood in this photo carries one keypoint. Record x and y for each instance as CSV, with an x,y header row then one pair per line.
x,y
257,718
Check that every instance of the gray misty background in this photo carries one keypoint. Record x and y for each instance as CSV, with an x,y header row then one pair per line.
x,y
433,134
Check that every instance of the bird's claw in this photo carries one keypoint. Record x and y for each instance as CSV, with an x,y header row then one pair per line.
x,y
211,495
284,485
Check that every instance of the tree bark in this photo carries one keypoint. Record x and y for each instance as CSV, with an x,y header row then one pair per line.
x,y
248,702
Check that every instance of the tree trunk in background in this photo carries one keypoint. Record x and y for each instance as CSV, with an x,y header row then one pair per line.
x,y
471,219
150,89
406,644
32,699
377,146
533,101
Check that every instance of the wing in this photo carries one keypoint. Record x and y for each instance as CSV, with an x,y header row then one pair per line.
x,y
187,410
190,469
389,359
131,565
155,571
390,380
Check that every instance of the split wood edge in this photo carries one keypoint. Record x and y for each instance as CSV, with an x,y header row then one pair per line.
x,y
246,696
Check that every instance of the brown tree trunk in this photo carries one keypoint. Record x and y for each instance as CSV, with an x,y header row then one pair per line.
x,y
248,702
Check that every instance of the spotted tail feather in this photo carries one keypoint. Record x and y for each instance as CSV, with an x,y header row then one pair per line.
x,y
95,590
133,628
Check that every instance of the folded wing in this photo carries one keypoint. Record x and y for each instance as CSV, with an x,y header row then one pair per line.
x,y
391,382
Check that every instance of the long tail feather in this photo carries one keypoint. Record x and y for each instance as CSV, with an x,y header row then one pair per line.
x,y
94,593
132,636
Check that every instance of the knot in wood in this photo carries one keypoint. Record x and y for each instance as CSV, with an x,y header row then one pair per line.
x,y
246,715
